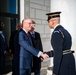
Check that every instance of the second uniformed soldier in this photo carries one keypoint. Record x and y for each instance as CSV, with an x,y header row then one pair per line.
x,y
61,41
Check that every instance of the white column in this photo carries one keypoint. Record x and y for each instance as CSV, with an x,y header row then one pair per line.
x,y
21,10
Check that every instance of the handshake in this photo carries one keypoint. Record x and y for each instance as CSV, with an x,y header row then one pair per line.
x,y
45,55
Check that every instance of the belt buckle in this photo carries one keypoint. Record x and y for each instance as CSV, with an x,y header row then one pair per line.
x,y
66,52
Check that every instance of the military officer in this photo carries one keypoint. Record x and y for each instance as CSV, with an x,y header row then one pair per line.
x,y
61,41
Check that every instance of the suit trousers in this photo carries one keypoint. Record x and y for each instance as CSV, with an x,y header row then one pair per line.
x,y
37,72
25,71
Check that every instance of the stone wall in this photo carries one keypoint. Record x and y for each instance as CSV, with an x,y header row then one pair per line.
x,y
36,10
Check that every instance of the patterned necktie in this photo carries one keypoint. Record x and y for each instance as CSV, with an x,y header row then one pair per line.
x,y
28,35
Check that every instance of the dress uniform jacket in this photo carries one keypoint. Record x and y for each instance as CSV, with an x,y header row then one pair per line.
x,y
36,40
64,64
23,52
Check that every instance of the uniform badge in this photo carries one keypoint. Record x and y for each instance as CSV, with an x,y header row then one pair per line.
x,y
56,31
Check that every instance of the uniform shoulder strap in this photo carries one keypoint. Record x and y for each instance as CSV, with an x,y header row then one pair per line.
x,y
61,33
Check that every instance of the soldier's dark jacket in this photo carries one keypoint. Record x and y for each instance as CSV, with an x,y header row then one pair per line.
x,y
61,41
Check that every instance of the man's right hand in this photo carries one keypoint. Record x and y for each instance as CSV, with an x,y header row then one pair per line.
x,y
44,55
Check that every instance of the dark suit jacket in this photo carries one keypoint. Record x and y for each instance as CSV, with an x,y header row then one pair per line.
x,y
38,45
11,41
24,50
3,47
12,48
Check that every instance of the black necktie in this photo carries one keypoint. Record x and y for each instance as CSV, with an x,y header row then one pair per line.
x,y
33,35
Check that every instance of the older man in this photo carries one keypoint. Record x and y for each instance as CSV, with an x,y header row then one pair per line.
x,y
24,49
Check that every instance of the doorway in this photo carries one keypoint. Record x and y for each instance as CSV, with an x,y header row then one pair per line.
x,y
10,16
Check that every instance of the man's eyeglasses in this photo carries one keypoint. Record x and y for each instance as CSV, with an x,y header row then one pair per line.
x,y
28,22
33,25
